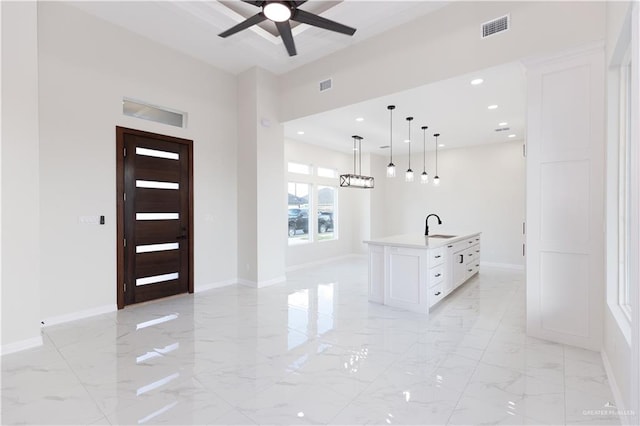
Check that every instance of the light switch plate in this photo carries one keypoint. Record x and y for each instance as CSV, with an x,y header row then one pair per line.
x,y
89,220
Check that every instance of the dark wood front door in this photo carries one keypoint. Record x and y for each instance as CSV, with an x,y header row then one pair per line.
x,y
155,216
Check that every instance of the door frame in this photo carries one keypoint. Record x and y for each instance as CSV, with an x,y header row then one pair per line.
x,y
120,136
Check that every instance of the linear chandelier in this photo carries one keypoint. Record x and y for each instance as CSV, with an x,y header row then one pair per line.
x,y
356,179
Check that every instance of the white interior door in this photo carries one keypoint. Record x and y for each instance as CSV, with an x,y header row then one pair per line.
x,y
565,198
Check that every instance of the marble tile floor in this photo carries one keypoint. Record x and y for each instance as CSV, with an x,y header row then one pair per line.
x,y
312,350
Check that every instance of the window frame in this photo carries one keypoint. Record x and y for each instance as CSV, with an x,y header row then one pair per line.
x,y
310,204
315,182
623,297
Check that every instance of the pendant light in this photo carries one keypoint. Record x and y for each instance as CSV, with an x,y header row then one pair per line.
x,y
391,168
408,176
436,178
424,177
357,179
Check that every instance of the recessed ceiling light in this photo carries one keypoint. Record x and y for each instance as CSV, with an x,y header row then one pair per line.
x,y
300,132
492,106
512,135
359,119
441,145
504,123
407,140
476,81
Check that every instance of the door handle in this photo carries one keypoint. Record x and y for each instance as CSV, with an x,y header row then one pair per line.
x,y
461,258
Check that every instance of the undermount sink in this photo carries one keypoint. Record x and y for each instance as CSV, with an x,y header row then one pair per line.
x,y
441,236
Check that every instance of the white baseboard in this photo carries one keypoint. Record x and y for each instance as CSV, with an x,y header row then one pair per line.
x,y
59,319
512,266
10,348
210,286
262,284
617,394
324,261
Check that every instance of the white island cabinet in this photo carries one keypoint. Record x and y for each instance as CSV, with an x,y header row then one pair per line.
x,y
415,272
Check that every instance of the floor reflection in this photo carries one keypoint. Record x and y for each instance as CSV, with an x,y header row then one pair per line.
x,y
310,351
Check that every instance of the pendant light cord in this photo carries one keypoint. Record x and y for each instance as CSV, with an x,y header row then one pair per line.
x,y
409,145
354,155
360,155
436,135
424,149
390,134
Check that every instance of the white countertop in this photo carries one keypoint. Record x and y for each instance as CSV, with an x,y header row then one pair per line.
x,y
420,241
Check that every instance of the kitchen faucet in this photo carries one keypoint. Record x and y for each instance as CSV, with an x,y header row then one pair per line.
x,y
426,223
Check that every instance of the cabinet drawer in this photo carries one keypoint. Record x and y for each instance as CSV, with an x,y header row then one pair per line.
x,y
436,294
471,268
436,275
436,256
470,256
465,244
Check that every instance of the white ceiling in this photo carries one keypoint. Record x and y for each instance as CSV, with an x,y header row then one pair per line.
x,y
192,27
453,107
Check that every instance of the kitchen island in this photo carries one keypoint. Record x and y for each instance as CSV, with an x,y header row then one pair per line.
x,y
415,272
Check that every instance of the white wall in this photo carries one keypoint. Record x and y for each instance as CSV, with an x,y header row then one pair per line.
x,y
262,240
247,177
352,204
482,188
440,45
20,184
617,331
86,67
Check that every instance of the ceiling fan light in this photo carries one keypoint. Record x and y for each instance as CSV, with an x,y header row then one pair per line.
x,y
277,12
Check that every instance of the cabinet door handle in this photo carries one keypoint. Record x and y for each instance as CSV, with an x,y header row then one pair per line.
x,y
470,242
477,266
449,246
477,251
438,275
438,256
470,254
469,270
438,293
461,258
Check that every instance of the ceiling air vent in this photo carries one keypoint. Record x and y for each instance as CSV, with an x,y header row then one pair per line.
x,y
502,129
495,26
326,84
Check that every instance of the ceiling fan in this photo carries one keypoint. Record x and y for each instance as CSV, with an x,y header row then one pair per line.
x,y
280,13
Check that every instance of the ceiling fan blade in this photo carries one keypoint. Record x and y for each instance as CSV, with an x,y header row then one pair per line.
x,y
287,38
318,21
255,19
298,3
255,3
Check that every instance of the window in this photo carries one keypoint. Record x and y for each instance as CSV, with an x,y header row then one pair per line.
x,y
312,203
139,109
298,194
326,213
303,169
328,173
624,185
